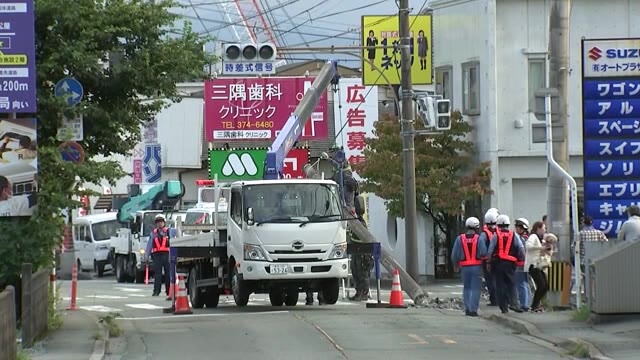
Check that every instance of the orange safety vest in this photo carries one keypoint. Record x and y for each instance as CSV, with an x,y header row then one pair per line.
x,y
505,250
470,256
157,246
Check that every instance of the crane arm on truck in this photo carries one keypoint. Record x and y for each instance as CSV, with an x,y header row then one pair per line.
x,y
292,129
160,197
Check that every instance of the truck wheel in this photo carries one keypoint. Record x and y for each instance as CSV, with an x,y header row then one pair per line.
x,y
195,295
120,273
212,297
239,288
331,291
291,298
276,297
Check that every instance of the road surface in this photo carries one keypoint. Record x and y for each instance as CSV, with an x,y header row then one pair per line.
x,y
346,330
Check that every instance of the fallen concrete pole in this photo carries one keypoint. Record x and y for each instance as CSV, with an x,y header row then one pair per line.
x,y
409,285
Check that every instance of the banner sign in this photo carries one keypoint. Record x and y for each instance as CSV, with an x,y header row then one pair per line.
x,y
611,130
18,167
257,108
248,164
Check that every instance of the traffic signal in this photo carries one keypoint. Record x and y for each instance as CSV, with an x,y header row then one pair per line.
x,y
426,110
263,52
443,115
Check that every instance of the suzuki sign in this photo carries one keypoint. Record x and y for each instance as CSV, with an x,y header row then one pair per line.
x,y
611,57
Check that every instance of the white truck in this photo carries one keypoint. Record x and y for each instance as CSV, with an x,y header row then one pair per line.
x,y
137,217
280,237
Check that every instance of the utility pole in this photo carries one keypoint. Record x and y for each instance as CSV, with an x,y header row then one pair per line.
x,y
557,192
408,149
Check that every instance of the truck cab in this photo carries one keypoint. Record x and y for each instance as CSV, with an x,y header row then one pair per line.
x,y
284,237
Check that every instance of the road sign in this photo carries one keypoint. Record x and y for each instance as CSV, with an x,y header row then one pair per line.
x,y
72,129
71,89
152,163
72,151
17,57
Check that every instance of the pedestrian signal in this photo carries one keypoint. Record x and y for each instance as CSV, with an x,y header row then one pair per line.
x,y
443,109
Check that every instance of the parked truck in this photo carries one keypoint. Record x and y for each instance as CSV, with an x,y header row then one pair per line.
x,y
137,217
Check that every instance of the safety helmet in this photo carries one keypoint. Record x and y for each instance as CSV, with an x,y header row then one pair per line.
x,y
503,220
494,210
472,223
490,218
160,217
523,222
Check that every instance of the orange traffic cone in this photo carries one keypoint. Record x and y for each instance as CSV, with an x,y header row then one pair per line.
x,y
396,299
182,300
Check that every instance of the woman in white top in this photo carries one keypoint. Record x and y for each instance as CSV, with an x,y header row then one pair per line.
x,y
535,251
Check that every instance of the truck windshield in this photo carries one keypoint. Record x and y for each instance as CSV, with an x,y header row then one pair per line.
x,y
105,230
197,218
295,203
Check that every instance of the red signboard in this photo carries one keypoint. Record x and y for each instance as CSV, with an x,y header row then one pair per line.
x,y
294,163
258,108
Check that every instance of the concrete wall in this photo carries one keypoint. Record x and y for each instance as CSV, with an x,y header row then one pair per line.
x,y
8,346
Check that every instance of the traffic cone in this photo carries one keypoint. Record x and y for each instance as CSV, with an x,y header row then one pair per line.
x,y
396,299
182,300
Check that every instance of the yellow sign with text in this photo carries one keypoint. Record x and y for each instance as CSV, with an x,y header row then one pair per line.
x,y
381,66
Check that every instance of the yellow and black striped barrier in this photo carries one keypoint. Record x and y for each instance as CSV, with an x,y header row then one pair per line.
x,y
559,280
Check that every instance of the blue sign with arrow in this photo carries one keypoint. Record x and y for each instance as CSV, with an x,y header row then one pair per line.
x,y
152,163
71,90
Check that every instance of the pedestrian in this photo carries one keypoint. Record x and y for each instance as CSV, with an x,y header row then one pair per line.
x,y
630,230
504,251
522,274
467,252
586,235
361,264
488,230
537,261
158,246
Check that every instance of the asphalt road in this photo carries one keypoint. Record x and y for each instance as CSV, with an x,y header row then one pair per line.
x,y
343,331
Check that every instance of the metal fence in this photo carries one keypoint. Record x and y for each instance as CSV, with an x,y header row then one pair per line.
x,y
8,347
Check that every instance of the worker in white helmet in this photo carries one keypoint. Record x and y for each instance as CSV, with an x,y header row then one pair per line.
x,y
504,251
488,230
467,253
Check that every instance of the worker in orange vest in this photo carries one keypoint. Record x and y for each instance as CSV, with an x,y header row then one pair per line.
x,y
488,230
158,246
467,253
505,250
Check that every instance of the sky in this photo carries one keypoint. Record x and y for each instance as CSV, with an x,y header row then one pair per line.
x,y
293,23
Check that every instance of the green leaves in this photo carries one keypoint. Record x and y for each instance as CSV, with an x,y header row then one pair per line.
x,y
121,51
446,175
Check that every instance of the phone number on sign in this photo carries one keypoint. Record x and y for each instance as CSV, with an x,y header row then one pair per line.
x,y
248,125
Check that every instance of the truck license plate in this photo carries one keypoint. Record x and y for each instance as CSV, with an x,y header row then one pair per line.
x,y
279,269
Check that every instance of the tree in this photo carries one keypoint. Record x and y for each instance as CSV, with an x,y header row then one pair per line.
x,y
446,173
128,55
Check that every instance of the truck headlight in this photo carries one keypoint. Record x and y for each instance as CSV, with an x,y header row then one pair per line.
x,y
142,251
339,251
253,252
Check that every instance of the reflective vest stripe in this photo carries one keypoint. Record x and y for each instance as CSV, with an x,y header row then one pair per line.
x,y
157,246
470,257
505,249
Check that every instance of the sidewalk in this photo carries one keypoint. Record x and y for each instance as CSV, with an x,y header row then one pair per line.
x,y
619,340
80,337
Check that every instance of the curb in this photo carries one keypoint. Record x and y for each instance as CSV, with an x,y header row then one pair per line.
x,y
100,346
530,329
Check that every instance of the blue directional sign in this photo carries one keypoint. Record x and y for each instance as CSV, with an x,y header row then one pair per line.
x,y
152,163
17,57
71,90
611,132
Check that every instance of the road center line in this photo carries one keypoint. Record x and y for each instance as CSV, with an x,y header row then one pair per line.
x,y
169,317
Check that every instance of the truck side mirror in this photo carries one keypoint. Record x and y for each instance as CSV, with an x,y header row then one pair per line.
x,y
249,216
135,227
359,205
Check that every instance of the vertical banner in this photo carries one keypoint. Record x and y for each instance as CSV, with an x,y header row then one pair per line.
x,y
355,112
257,108
146,159
611,130
17,57
18,167
383,30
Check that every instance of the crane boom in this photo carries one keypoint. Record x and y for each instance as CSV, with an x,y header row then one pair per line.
x,y
292,129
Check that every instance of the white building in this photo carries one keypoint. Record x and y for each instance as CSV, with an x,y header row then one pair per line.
x,y
489,58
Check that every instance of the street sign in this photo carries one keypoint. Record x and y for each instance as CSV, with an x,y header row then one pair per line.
x,y
248,164
72,129
71,151
152,163
71,89
17,57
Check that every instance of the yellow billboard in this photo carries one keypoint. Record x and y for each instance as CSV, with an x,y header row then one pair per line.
x,y
381,66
